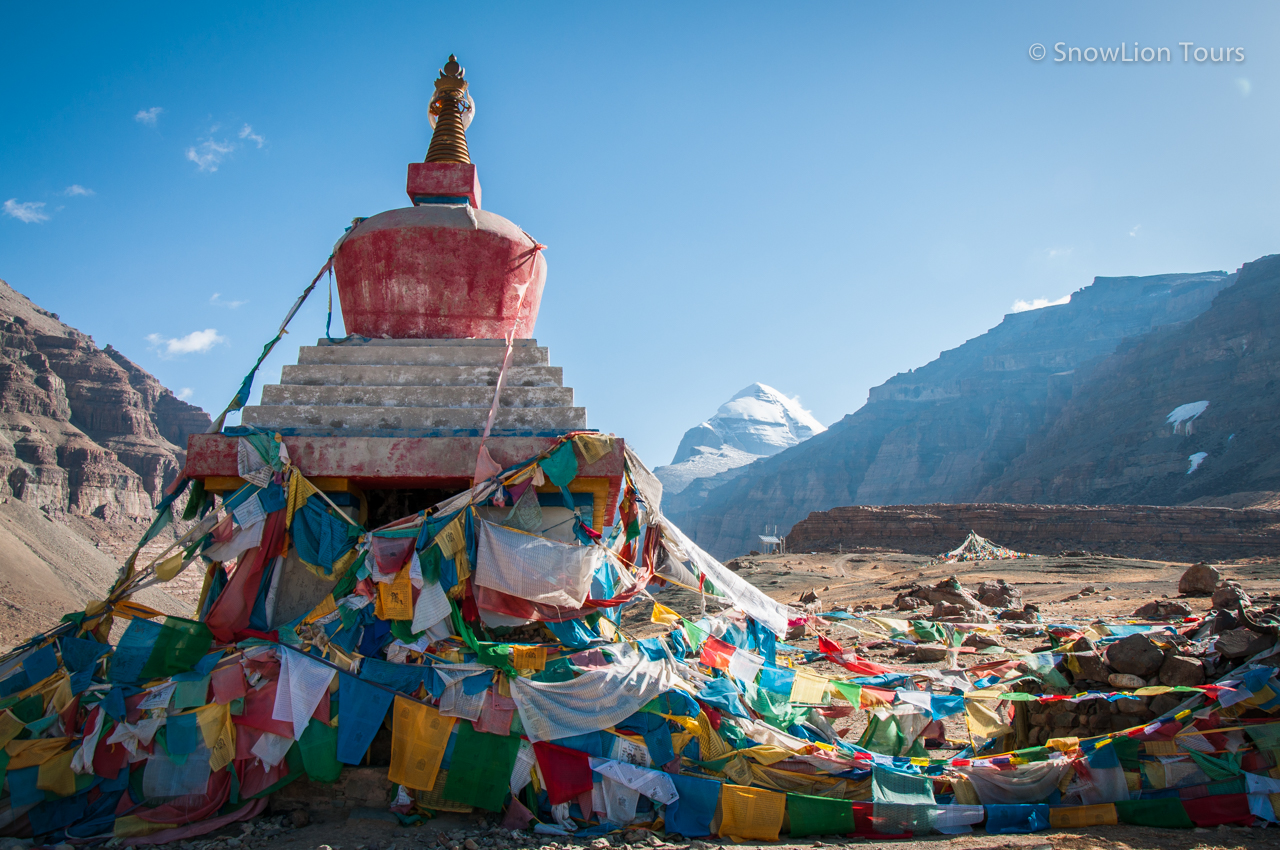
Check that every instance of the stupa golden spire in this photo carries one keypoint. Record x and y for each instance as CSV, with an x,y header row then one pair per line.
x,y
450,111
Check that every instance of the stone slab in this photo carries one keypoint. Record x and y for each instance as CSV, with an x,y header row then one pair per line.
x,y
414,420
419,462
332,374
380,397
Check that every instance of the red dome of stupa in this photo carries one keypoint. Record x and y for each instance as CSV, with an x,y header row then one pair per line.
x,y
443,268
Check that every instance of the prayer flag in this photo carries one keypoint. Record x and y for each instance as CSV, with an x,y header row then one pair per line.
x,y
751,813
419,736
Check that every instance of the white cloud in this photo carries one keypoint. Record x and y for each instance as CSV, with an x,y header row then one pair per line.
x,y
1021,306
208,154
217,301
1055,253
247,133
196,342
186,393
148,116
28,211
76,189
1135,230
1243,84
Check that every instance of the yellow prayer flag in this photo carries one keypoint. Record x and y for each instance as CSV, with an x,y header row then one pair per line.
x,y
56,776
593,446
738,770
710,744
300,489
1078,817
326,607
808,688
132,826
61,697
10,726
606,628
664,615
528,657
168,569
419,735
395,598
984,720
33,752
219,734
751,813
452,538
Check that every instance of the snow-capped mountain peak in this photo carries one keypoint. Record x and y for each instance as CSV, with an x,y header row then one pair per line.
x,y
757,422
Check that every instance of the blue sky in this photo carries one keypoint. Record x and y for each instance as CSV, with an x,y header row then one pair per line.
x,y
814,196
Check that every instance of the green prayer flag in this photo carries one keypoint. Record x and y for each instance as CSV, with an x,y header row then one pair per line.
x,y
819,815
293,761
890,786
562,466
319,749
850,691
430,559
1165,812
1127,750
179,646
1215,768
402,630
480,768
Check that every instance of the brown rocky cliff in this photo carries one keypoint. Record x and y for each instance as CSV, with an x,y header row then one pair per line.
x,y
82,429
1135,531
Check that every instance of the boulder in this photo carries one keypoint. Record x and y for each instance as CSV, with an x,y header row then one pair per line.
x,y
999,594
1165,703
1241,643
1030,613
1126,681
909,603
1092,666
981,641
946,609
1230,595
1164,609
1133,706
929,652
1180,670
1136,654
1199,580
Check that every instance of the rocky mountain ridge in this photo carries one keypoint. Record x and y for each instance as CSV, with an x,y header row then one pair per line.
x,y
83,430
1187,413
946,431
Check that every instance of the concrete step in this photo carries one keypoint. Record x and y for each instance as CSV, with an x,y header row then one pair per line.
x,y
421,355
359,420
331,374
443,397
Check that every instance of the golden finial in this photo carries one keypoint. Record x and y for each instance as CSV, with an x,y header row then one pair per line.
x,y
450,112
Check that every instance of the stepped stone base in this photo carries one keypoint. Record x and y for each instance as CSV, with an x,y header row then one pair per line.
x,y
408,414
417,387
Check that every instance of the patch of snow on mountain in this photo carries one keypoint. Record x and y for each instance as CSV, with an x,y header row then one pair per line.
x,y
757,422
1183,415
1196,459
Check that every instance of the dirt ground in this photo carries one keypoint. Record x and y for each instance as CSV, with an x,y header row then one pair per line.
x,y
363,830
